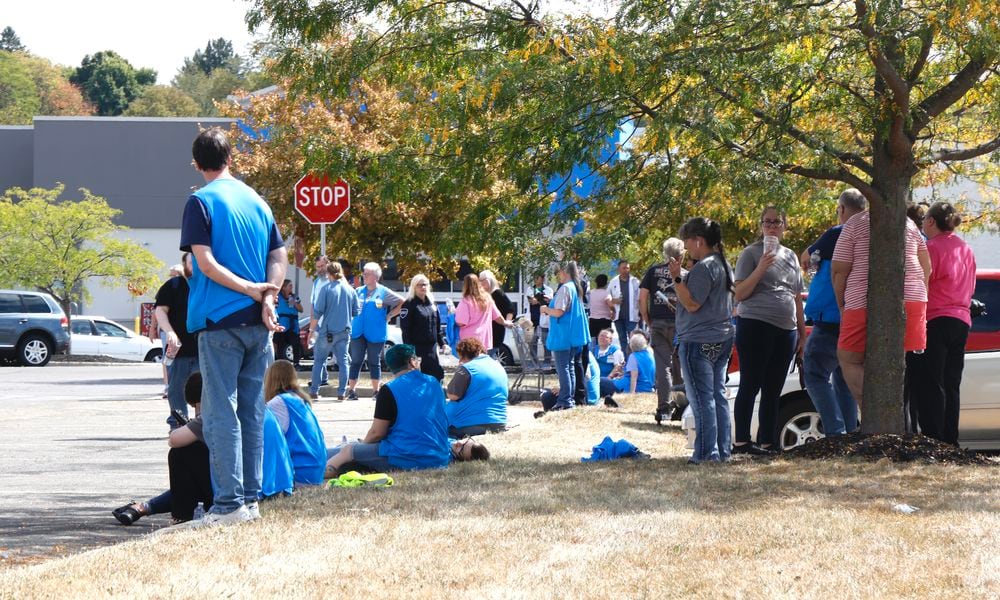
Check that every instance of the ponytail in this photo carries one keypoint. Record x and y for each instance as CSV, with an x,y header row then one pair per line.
x,y
711,232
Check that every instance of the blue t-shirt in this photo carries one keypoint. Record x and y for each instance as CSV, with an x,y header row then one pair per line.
x,y
606,359
485,400
288,315
229,217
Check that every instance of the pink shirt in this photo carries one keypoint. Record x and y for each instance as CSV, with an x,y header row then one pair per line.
x,y
599,308
473,322
953,278
852,247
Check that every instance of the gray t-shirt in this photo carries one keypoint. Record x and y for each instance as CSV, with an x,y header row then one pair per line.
x,y
625,307
773,300
712,323
459,383
196,427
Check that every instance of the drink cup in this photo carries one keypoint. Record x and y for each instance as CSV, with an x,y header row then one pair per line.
x,y
770,244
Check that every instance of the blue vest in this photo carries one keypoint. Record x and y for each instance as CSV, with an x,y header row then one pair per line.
x,y
306,444
287,314
604,360
571,330
241,226
371,322
821,306
278,472
485,401
593,380
419,437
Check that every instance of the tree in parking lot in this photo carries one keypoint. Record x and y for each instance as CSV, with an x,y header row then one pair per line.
x,y
58,245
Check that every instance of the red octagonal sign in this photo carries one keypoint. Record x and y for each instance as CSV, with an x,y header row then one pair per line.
x,y
322,202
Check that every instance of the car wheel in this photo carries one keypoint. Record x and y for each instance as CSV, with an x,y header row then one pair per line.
x,y
154,355
798,422
34,351
505,356
288,353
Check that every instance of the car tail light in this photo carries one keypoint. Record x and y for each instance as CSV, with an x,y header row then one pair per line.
x,y
64,322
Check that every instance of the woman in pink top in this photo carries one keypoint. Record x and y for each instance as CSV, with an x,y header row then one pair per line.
x,y
476,313
600,311
934,384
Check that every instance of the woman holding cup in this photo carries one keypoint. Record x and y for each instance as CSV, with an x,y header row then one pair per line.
x,y
770,330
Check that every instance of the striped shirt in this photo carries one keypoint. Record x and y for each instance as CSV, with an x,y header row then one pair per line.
x,y
852,247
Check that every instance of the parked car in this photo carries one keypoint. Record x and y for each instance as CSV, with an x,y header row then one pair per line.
x,y
33,327
98,336
979,422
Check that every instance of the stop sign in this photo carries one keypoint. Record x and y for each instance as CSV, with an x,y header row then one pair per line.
x,y
321,202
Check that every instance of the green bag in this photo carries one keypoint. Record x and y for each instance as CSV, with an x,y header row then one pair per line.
x,y
353,479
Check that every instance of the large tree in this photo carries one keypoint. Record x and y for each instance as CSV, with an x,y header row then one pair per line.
x,y
740,103
31,85
163,101
110,82
58,246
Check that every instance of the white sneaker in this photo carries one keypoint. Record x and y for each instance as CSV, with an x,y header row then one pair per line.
x,y
254,509
211,519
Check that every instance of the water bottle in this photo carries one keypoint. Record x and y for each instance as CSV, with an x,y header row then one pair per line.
x,y
814,260
199,511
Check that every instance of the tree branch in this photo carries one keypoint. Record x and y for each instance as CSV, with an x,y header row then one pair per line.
x,y
900,89
794,132
966,153
926,41
949,94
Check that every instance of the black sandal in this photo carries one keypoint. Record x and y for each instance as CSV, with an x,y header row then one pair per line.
x,y
127,515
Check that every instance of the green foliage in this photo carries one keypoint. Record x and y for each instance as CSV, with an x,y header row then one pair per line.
x,y
163,101
31,85
19,100
57,245
218,54
110,82
9,42
206,90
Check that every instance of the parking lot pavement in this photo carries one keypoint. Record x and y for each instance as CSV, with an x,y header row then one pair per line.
x,y
77,441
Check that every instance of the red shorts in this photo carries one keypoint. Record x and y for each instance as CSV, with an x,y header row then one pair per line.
x,y
854,328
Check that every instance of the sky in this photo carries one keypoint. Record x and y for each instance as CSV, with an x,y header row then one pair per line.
x,y
157,34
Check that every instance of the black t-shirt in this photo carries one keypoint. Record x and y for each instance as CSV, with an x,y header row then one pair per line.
x,y
174,296
505,306
385,405
658,278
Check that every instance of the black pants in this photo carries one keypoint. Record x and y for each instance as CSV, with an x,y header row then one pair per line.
x,y
429,363
190,480
934,379
579,368
283,339
469,430
597,326
765,353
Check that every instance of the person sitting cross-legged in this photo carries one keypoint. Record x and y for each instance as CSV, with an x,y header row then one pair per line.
x,y
640,369
478,392
409,430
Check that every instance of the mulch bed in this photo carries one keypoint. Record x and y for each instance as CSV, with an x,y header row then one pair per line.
x,y
909,447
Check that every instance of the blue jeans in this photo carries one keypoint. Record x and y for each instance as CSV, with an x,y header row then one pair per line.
x,y
566,371
834,401
361,346
178,373
624,329
233,362
322,350
704,370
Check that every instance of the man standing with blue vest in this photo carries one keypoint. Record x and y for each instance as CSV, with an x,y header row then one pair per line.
x,y
240,262
834,401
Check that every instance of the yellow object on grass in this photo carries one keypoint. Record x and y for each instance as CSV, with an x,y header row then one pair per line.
x,y
353,479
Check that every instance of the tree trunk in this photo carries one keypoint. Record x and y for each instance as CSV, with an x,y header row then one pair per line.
x,y
882,407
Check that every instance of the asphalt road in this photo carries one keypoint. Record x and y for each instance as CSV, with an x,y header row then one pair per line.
x,y
77,441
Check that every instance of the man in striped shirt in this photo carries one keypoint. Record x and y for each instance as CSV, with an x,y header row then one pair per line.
x,y
849,271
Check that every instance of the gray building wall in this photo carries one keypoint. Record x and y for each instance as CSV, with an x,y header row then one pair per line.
x,y
16,144
140,165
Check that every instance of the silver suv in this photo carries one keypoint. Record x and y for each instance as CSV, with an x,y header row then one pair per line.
x,y
33,327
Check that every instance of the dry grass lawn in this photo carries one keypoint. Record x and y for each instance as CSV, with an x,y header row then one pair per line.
x,y
537,523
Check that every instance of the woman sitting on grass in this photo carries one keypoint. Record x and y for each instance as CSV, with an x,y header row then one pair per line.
x,y
291,407
409,430
478,392
640,370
